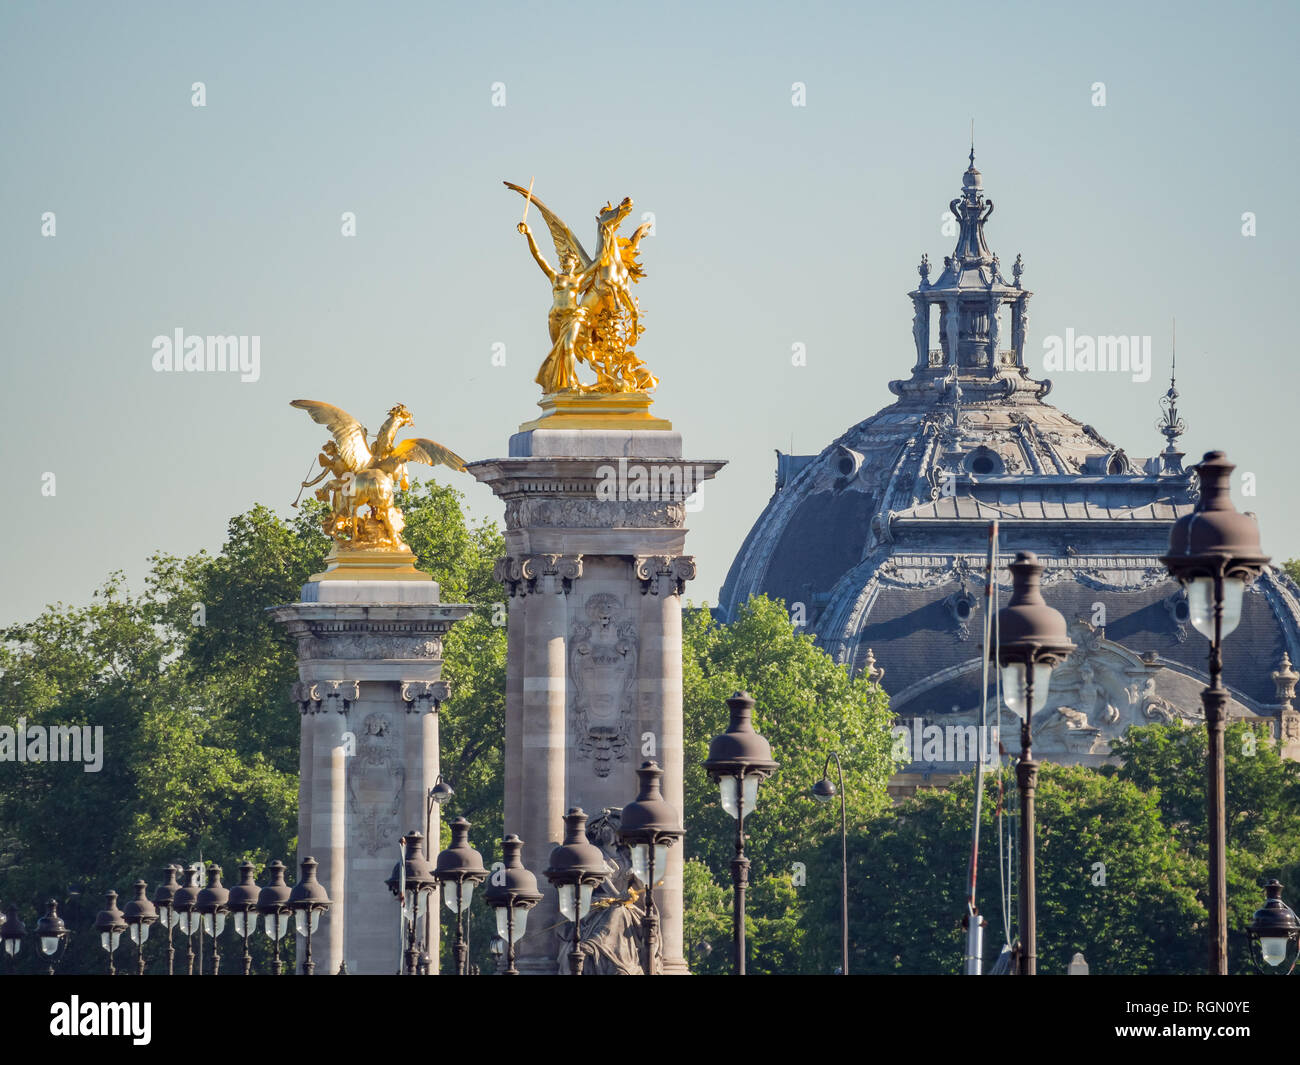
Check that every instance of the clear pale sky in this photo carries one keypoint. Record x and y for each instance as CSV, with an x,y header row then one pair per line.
x,y
776,225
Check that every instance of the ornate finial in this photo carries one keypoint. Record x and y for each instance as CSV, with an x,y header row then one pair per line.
x,y
924,268
1018,269
1171,425
873,672
972,141
1284,680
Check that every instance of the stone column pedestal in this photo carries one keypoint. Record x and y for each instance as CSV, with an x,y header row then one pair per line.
x,y
595,535
369,667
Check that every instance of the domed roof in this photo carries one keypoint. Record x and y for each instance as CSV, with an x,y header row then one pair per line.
x,y
878,542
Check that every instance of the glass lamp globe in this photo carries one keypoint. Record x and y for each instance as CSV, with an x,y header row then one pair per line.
x,y
641,851
1013,686
749,792
449,895
566,893
1273,948
520,922
1200,604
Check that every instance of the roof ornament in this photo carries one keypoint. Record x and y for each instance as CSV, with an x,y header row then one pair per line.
x,y
1018,270
1170,424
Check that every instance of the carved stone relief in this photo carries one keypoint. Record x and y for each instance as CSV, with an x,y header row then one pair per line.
x,y
376,776
603,652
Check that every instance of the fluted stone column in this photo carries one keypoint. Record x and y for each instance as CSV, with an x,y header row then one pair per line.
x,y
370,664
595,575
663,579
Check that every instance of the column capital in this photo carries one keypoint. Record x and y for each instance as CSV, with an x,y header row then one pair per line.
x,y
424,696
664,574
318,696
521,573
564,569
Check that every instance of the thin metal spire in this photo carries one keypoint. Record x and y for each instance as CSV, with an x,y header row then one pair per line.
x,y
972,141
1171,425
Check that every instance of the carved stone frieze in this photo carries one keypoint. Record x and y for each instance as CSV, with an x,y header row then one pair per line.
x,y
590,513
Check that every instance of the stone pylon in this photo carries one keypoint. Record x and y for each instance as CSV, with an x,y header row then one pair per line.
x,y
595,570
370,669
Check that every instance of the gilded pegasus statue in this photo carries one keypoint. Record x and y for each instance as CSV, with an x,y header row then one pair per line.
x,y
368,474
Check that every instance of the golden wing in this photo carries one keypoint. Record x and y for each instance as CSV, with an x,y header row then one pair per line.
x,y
349,434
565,240
418,449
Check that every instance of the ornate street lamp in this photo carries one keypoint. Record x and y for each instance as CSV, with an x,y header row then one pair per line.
x,y
186,902
212,907
738,759
461,865
512,892
1214,552
440,794
576,867
412,882
1273,931
649,826
273,905
163,900
139,914
110,926
242,906
308,901
824,791
1032,642
12,932
52,932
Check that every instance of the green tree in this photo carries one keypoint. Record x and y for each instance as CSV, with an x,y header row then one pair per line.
x,y
189,680
1261,801
1136,912
806,705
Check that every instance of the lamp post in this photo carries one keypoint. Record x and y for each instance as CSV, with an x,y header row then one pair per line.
x,y
163,900
110,926
242,905
461,865
576,867
308,901
649,826
1032,642
1214,552
738,759
439,794
273,905
139,914
212,908
511,893
186,901
824,791
52,932
412,883
12,932
1272,931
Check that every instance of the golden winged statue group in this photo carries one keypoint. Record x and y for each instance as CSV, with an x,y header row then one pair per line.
x,y
594,317
368,475
594,321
